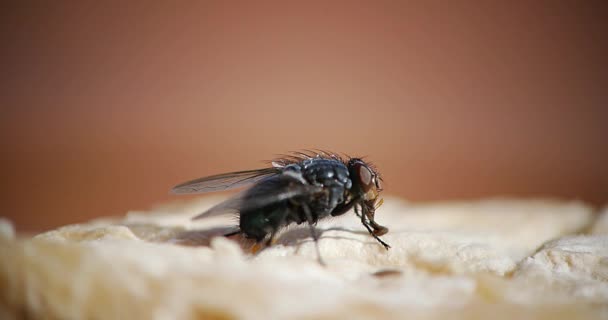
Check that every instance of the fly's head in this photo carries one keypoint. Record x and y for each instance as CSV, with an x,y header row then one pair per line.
x,y
366,181
367,186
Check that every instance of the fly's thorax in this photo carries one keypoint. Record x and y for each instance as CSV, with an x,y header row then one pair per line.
x,y
326,172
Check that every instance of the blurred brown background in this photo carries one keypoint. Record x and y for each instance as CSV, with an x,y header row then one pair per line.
x,y
106,106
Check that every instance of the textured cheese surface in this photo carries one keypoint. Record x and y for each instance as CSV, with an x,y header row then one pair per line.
x,y
499,258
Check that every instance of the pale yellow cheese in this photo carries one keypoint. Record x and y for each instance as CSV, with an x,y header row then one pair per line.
x,y
492,259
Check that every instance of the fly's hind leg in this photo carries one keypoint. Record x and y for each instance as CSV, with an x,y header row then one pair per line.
x,y
313,232
259,246
270,239
233,233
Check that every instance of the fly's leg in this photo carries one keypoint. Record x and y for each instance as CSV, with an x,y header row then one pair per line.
x,y
259,247
373,233
270,238
378,229
357,212
233,233
313,232
369,213
256,248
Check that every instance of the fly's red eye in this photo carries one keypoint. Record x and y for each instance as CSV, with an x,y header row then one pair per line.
x,y
365,176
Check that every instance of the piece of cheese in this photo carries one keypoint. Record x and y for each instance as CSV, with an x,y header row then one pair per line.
x,y
486,259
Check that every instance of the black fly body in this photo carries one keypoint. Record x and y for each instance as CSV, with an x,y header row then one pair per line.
x,y
299,187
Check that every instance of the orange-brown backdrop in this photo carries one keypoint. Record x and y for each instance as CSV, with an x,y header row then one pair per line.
x,y
106,105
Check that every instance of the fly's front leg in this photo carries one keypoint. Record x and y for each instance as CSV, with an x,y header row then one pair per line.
x,y
369,212
376,231
343,208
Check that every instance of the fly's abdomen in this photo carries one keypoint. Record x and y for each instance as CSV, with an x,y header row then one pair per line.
x,y
260,222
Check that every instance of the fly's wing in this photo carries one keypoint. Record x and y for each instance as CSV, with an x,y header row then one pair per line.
x,y
225,181
267,192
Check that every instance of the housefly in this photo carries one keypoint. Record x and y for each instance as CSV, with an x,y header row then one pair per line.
x,y
299,187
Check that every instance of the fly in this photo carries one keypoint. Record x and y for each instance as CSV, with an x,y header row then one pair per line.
x,y
299,187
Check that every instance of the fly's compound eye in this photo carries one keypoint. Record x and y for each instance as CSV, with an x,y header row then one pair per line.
x,y
366,178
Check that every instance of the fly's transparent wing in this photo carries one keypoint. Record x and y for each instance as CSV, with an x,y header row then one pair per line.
x,y
225,181
265,193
